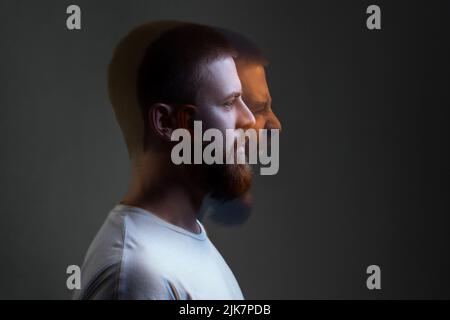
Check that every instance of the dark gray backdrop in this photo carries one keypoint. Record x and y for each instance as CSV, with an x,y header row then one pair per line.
x,y
364,156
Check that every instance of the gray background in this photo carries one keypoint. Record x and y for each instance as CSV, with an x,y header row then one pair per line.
x,y
364,172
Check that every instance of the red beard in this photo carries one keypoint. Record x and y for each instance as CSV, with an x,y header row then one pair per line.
x,y
228,181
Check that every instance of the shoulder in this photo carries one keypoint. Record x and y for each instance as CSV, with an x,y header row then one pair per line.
x,y
142,269
101,265
119,264
138,279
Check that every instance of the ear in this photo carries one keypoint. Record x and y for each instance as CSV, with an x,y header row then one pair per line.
x,y
165,118
160,119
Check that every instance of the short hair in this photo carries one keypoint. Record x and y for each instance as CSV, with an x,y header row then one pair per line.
x,y
171,71
247,50
122,80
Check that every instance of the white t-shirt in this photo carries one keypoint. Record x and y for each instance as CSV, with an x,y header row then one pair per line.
x,y
137,255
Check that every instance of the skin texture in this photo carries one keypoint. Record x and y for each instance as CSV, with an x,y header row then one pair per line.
x,y
219,101
256,94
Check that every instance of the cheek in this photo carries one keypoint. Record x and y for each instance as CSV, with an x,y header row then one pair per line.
x,y
218,118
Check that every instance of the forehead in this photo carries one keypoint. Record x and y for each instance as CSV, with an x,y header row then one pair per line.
x,y
220,77
253,79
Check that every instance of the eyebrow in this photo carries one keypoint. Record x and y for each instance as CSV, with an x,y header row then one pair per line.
x,y
234,94
259,107
262,105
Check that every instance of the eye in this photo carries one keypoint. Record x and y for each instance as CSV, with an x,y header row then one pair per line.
x,y
259,107
231,100
229,103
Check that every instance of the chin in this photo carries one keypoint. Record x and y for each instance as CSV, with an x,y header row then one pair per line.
x,y
229,181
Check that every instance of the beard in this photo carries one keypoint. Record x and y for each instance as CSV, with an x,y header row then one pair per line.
x,y
224,181
229,201
227,181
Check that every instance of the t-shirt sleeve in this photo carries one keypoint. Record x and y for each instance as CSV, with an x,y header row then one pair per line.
x,y
128,282
102,286
139,282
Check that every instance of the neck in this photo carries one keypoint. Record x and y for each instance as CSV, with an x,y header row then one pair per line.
x,y
168,196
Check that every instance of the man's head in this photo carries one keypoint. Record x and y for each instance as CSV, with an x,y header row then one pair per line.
x,y
251,64
256,94
188,74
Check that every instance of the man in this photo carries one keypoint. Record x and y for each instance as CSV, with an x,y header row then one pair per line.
x,y
250,64
152,245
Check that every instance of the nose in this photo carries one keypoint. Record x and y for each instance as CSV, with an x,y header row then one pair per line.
x,y
272,121
245,118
